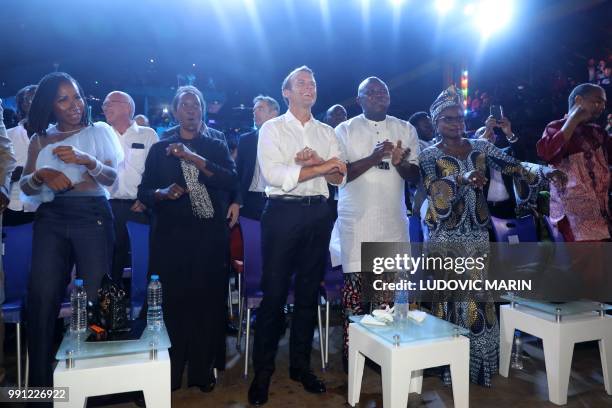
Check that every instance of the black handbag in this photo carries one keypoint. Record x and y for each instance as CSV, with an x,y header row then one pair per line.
x,y
112,306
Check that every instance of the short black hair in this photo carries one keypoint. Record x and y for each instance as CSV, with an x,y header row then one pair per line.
x,y
581,90
418,116
188,89
41,111
20,97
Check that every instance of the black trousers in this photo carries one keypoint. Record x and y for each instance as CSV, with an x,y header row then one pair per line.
x,y
295,238
66,230
502,209
121,250
253,205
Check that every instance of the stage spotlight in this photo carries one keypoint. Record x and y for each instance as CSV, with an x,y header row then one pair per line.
x,y
397,3
469,9
493,15
444,6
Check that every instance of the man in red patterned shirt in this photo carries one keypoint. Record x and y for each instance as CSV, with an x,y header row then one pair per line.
x,y
582,150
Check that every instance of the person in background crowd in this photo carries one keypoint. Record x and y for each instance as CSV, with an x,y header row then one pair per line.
x,y
68,165
581,149
335,115
7,164
381,152
422,123
141,120
252,185
17,212
453,174
187,181
298,156
136,141
592,71
499,188
418,196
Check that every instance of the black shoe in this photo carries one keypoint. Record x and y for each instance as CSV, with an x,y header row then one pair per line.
x,y
258,391
310,381
140,401
231,329
208,387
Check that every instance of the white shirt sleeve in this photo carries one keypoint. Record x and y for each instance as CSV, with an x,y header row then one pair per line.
x,y
108,148
337,149
274,169
412,143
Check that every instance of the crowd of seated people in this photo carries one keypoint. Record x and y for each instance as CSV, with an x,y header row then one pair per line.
x,y
79,183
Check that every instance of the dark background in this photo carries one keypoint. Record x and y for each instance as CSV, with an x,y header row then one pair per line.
x,y
241,48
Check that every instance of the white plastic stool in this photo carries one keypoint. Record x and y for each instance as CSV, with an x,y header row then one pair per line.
x,y
113,375
402,365
559,338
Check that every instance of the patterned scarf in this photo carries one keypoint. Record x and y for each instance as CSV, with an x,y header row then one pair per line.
x,y
449,97
200,200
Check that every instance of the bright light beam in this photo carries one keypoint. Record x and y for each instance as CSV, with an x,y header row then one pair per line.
x,y
492,16
444,6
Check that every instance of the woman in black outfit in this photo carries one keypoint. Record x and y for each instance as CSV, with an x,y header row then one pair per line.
x,y
186,182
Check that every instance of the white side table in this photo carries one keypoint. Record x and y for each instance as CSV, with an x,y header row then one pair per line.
x,y
559,327
418,346
91,369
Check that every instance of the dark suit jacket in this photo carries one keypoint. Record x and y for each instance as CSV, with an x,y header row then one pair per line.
x,y
247,157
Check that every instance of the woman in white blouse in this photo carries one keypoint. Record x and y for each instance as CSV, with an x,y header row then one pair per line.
x,y
68,163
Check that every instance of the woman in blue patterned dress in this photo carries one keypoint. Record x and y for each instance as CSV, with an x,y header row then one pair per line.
x,y
453,174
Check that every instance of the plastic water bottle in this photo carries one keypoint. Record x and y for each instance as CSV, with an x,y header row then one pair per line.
x,y
401,306
155,318
516,358
78,304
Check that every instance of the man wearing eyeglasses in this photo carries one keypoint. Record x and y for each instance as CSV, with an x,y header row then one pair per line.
x,y
119,107
381,152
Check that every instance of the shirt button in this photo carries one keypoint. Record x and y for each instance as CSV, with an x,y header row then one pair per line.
x,y
99,222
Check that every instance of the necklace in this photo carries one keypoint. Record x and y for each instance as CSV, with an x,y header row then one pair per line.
x,y
67,131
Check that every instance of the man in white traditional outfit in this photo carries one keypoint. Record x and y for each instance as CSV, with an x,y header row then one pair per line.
x,y
381,152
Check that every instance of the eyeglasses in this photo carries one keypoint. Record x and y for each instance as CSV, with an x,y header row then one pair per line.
x,y
452,119
109,103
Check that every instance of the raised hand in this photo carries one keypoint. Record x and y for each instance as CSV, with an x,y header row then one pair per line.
x,y
308,157
557,177
381,150
333,166
398,154
55,180
474,178
172,192
71,155
178,150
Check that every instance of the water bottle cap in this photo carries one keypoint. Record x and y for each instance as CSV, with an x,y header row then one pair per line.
x,y
154,277
78,282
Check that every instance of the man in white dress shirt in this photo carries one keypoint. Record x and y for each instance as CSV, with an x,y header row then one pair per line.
x,y
298,156
19,212
136,141
381,152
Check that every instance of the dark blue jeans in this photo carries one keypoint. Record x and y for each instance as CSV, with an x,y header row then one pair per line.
x,y
67,230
